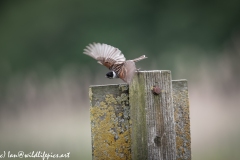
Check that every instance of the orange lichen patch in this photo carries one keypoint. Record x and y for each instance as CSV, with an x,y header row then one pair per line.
x,y
110,131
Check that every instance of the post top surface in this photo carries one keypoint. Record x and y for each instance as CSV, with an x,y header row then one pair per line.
x,y
155,71
182,80
104,85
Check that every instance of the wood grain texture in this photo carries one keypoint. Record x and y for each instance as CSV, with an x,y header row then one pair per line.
x,y
110,122
182,119
136,124
152,116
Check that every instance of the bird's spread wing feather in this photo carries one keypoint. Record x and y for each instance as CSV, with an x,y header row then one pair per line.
x,y
105,54
139,58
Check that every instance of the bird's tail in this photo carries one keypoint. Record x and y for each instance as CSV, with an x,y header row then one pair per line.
x,y
139,58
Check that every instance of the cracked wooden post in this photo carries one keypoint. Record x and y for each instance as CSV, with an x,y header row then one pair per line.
x,y
136,124
182,119
152,132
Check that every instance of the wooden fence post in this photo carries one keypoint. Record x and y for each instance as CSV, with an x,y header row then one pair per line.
x,y
110,122
133,123
153,134
182,119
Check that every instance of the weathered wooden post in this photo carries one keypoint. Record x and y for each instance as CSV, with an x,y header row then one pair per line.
x,y
182,119
132,122
110,122
152,116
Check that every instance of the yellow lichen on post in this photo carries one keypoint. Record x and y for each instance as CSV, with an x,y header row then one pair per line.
x,y
110,123
159,125
182,119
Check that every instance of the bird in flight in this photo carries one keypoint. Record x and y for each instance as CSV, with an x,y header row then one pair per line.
x,y
114,60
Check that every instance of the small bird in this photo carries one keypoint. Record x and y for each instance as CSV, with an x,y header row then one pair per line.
x,y
114,60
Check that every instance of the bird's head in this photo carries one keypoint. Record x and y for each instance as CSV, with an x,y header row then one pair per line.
x,y
111,75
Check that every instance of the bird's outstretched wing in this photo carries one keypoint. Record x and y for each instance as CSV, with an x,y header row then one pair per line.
x,y
105,54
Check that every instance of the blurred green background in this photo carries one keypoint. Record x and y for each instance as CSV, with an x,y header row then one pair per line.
x,y
44,77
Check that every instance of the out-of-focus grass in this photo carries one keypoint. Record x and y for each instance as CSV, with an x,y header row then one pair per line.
x,y
49,116
52,114
214,93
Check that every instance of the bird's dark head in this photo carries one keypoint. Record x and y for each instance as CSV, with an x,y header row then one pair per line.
x,y
111,75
